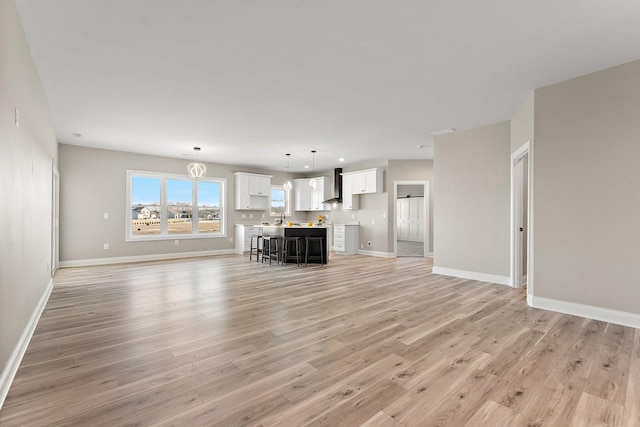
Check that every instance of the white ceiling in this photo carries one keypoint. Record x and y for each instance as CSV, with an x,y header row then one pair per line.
x,y
249,81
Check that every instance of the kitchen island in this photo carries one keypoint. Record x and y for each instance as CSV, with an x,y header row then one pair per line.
x,y
303,231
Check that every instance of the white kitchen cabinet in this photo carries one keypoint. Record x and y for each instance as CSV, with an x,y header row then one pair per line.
x,y
366,181
310,199
252,191
346,238
243,237
410,219
360,182
348,200
260,185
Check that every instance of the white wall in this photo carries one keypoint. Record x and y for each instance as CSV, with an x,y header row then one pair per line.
x,y
471,216
586,190
27,156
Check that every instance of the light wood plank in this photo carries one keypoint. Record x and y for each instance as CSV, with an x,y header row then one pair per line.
x,y
363,341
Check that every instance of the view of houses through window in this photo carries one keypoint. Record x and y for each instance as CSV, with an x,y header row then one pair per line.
x,y
164,205
279,201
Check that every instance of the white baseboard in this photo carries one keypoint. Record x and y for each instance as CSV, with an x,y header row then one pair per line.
x,y
10,369
376,253
473,275
597,313
140,258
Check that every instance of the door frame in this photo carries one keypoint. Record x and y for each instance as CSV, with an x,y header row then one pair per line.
x,y
55,220
516,278
425,202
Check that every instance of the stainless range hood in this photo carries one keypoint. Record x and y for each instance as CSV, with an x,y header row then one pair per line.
x,y
337,187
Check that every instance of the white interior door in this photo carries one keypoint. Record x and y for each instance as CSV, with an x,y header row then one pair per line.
x,y
411,218
55,221
520,218
416,219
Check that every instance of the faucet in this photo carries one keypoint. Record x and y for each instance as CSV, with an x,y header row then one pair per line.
x,y
282,217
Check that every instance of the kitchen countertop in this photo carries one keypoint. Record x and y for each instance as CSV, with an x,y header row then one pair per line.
x,y
293,226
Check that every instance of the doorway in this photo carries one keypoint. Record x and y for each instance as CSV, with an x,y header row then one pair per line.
x,y
411,213
520,219
55,229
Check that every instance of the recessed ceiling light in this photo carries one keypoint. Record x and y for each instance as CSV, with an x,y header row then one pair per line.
x,y
306,166
341,159
420,146
443,131
77,135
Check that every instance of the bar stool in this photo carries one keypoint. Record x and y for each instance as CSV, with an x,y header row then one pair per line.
x,y
258,238
291,248
314,239
271,248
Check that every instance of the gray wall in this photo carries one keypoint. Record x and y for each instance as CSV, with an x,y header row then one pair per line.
x,y
93,182
586,180
522,124
472,184
27,155
372,215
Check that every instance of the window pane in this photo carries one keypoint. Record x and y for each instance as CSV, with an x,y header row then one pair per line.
x,y
179,192
145,206
278,201
179,219
208,207
179,209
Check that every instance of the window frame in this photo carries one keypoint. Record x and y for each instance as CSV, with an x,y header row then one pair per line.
x,y
164,205
287,200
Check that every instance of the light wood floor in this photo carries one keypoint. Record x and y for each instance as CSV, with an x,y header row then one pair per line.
x,y
221,341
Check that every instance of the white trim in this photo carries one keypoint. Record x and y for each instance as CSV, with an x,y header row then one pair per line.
x,y
141,258
10,369
473,275
525,149
597,313
164,234
376,253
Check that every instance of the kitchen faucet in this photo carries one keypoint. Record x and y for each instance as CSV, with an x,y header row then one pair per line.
x,y
282,217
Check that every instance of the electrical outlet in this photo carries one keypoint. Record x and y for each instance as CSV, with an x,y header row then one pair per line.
x,y
373,221
353,216
361,246
262,216
384,215
243,216
250,215
17,117
106,215
176,242
106,246
230,239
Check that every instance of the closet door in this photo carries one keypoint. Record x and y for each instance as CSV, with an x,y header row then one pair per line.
x,y
402,221
416,219
410,221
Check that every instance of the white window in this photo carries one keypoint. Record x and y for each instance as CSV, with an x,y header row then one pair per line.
x,y
165,206
280,201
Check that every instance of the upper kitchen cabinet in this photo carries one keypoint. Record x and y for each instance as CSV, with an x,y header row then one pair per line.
x,y
366,181
252,191
348,201
310,199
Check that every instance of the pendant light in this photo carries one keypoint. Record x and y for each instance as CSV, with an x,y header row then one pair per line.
x,y
197,170
313,182
287,185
